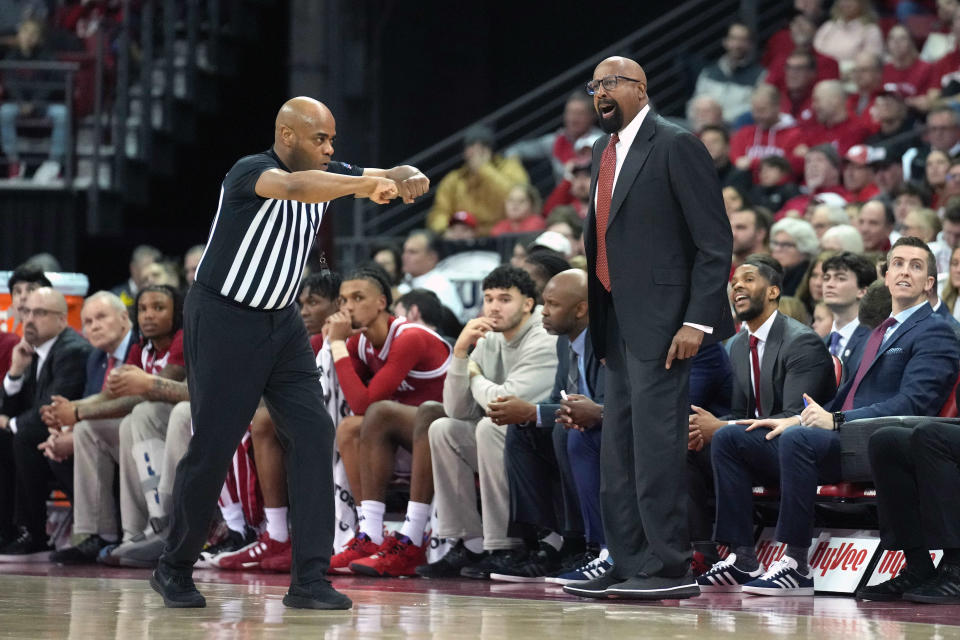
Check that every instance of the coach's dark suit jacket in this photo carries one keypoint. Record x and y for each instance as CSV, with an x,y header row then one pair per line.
x,y
795,361
669,260
97,368
911,375
595,379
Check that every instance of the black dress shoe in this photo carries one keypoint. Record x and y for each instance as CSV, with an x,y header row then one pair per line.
x,y
178,592
497,561
596,588
449,565
644,587
26,548
894,588
84,553
942,588
317,595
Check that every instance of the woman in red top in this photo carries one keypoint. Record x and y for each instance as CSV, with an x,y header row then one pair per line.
x,y
522,208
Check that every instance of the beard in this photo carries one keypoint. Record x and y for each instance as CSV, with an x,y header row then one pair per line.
x,y
614,123
753,311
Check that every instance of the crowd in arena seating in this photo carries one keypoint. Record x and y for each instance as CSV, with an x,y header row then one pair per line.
x,y
838,150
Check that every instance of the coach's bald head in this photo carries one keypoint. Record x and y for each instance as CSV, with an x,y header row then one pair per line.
x,y
617,107
304,134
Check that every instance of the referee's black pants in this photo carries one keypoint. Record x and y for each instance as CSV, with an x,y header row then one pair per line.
x,y
235,355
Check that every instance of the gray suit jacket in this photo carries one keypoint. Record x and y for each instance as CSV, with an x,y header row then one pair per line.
x,y
795,361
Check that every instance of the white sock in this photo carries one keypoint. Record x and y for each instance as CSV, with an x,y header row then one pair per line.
x,y
233,516
418,514
277,523
474,545
554,539
371,524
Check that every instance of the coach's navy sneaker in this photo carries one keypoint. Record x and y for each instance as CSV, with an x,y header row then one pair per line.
x,y
894,588
178,592
317,595
942,588
595,568
782,579
724,577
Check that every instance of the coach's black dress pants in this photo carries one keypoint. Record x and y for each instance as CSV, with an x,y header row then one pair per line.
x,y
235,355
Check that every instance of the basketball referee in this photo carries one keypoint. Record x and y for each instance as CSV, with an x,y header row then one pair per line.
x,y
244,339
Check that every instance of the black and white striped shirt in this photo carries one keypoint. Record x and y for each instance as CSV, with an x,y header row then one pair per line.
x,y
258,246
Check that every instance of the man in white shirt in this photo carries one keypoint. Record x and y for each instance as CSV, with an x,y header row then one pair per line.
x,y
420,256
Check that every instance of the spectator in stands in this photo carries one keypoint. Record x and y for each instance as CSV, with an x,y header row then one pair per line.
x,y
480,186
941,39
783,42
943,134
463,226
951,187
573,190
716,139
733,199
137,388
810,289
821,177
906,198
702,112
422,306
50,359
772,132
751,232
859,174
846,277
799,78
522,211
944,69
793,243
29,94
792,307
951,225
388,256
935,175
800,38
832,123
542,264
731,79
540,469
161,272
875,223
952,287
924,224
867,74
22,282
904,68
142,256
566,222
917,475
795,360
897,126
515,357
560,147
851,29
392,373
775,185
822,320
906,367
825,216
106,324
191,259
421,252
843,237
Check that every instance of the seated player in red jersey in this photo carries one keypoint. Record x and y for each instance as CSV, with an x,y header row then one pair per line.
x,y
391,372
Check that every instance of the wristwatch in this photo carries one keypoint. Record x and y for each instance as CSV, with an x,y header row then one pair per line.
x,y
838,419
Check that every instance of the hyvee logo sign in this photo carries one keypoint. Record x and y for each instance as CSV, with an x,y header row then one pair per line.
x,y
837,559
890,564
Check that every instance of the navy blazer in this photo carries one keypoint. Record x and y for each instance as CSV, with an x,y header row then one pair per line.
x,y
595,378
853,350
97,368
912,374
943,311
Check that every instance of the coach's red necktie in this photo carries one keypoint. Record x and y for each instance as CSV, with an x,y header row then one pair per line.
x,y
111,363
608,167
755,364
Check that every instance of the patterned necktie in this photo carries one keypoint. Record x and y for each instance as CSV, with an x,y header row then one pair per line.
x,y
835,343
608,167
869,354
755,363
111,363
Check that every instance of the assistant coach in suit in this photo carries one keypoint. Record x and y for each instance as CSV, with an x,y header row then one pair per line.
x,y
658,247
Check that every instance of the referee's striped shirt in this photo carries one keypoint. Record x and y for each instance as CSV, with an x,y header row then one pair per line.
x,y
258,246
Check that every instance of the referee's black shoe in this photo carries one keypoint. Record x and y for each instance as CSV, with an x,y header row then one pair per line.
x,y
316,595
178,592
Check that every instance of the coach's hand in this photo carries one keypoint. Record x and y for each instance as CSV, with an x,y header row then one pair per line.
x,y
382,190
685,344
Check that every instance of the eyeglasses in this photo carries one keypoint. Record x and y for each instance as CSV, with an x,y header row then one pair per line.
x,y
608,82
39,312
782,245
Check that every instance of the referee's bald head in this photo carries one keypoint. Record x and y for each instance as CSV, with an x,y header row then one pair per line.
x,y
304,133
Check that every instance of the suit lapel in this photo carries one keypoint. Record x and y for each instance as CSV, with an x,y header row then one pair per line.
x,y
740,355
771,353
636,157
901,331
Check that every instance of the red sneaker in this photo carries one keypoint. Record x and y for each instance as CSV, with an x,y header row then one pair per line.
x,y
395,559
359,547
279,562
250,557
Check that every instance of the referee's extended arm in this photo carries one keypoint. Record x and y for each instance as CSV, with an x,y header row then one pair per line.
x,y
321,186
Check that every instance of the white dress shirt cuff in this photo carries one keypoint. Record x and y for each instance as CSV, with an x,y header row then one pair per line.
x,y
702,327
11,386
539,422
12,425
